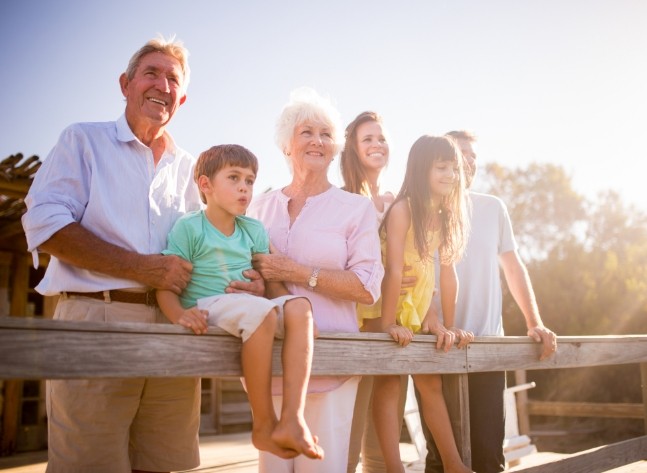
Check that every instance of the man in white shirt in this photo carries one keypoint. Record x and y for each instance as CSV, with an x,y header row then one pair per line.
x,y
102,205
479,309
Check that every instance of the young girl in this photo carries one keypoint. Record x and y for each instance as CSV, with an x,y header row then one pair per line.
x,y
427,215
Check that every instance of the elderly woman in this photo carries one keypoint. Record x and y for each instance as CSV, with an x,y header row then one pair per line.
x,y
326,247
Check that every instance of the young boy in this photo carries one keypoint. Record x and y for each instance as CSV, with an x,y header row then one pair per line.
x,y
219,241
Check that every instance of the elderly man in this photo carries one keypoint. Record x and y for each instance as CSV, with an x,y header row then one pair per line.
x,y
479,309
102,205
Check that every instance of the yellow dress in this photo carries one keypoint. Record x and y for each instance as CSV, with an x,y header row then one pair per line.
x,y
412,306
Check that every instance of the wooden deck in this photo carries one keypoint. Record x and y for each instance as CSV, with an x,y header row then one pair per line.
x,y
234,453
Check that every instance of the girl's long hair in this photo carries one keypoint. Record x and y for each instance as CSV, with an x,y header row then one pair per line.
x,y
352,171
453,207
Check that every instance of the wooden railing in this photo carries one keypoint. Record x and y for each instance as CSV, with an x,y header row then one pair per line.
x,y
33,348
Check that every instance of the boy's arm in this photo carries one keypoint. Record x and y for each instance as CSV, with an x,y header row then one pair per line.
x,y
191,318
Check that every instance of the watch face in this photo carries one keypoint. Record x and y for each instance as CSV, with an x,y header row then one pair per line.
x,y
312,282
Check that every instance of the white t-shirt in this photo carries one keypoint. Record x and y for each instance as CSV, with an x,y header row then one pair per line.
x,y
479,305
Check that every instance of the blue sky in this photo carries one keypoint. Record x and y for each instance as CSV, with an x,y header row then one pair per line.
x,y
547,81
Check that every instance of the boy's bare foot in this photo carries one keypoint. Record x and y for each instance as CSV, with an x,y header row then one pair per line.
x,y
296,436
262,440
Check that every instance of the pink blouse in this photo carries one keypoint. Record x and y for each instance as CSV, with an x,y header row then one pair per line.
x,y
335,230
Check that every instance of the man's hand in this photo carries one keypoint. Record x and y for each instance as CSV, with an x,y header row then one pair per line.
x,y
255,285
546,337
170,273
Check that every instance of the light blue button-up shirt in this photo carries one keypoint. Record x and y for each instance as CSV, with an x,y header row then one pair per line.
x,y
101,176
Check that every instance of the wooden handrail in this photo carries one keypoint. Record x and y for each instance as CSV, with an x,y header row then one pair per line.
x,y
33,348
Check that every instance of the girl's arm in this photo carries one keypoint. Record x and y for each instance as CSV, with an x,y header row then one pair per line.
x,y
397,225
192,318
432,324
448,295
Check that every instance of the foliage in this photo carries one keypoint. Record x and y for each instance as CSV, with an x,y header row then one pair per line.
x,y
587,259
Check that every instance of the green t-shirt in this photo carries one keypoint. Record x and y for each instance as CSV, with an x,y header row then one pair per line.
x,y
217,259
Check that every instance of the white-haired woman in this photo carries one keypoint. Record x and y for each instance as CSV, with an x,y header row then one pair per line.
x,y
326,248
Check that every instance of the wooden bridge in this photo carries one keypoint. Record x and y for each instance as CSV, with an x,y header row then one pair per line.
x,y
32,348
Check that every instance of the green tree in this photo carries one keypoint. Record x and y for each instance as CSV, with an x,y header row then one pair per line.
x,y
543,206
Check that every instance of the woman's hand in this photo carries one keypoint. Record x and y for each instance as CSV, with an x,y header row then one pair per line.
x,y
400,334
464,337
408,282
195,319
275,267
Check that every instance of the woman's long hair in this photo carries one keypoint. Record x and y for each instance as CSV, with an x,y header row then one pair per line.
x,y
352,171
453,207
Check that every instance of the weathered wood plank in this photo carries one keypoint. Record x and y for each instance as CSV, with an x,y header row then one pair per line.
x,y
32,348
513,353
643,380
586,409
596,460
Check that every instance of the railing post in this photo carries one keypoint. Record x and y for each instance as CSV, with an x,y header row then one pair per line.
x,y
643,379
455,389
522,403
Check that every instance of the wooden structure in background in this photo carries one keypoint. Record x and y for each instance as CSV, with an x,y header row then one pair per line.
x,y
16,296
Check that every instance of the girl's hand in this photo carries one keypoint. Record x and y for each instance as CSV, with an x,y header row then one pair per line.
x,y
195,319
400,334
464,337
446,338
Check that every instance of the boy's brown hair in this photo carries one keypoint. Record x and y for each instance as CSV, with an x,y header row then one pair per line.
x,y
217,157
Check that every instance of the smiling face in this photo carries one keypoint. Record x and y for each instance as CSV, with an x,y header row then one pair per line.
x,y
311,148
372,147
155,92
230,190
443,177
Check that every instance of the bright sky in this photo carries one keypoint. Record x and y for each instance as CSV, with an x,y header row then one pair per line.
x,y
537,80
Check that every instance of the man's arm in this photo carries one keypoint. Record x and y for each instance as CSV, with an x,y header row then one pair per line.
x,y
516,275
79,247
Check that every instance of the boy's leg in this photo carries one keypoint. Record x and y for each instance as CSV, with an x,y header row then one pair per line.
x,y
256,361
292,431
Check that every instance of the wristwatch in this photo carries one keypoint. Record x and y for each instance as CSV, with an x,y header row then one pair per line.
x,y
312,280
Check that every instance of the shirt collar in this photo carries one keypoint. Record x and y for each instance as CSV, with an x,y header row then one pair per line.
x,y
125,134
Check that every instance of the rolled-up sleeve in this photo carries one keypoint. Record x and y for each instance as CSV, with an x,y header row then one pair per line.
x,y
59,192
364,252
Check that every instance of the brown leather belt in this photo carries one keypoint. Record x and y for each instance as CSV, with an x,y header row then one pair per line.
x,y
147,298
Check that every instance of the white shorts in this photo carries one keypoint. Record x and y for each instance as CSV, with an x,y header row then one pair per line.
x,y
241,314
